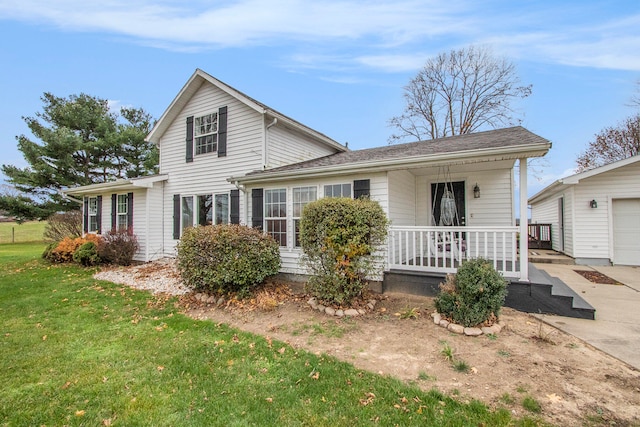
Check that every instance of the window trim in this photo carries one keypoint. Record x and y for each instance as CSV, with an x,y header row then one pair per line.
x,y
295,220
282,236
206,140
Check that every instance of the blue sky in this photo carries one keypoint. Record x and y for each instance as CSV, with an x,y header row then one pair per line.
x,y
338,66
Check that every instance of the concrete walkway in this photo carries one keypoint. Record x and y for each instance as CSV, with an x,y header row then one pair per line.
x,y
616,329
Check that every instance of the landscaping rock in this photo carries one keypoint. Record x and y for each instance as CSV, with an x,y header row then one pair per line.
x,y
330,311
339,313
472,332
351,312
455,328
220,301
320,307
436,318
444,323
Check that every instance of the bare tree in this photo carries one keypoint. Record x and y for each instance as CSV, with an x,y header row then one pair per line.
x,y
612,144
458,92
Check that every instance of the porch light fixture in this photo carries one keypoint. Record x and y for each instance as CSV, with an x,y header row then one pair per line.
x,y
593,204
476,191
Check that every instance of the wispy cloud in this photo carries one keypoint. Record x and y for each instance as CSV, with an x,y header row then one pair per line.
x,y
381,35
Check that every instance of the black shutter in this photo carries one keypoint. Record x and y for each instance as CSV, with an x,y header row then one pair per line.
x,y
257,208
361,188
235,206
176,216
189,139
222,132
114,213
99,215
130,213
85,215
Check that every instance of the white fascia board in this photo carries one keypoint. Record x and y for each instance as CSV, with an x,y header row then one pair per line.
x,y
574,179
546,192
307,130
118,185
461,157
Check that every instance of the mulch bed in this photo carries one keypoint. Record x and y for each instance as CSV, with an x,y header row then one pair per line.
x,y
597,277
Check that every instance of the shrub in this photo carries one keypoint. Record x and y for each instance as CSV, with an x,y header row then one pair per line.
x,y
61,225
475,294
118,247
87,254
227,258
339,237
63,252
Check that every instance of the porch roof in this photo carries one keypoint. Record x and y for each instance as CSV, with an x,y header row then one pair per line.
x,y
501,144
118,185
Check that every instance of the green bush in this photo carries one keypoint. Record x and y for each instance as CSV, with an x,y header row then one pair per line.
x,y
339,237
475,294
118,247
227,258
87,254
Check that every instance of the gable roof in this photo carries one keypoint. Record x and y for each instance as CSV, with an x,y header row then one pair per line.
x,y
576,178
508,143
198,78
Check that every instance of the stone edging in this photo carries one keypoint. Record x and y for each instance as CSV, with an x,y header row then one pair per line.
x,y
459,329
351,312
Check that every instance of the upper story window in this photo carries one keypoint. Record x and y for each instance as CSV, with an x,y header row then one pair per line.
x,y
301,197
337,190
205,132
93,214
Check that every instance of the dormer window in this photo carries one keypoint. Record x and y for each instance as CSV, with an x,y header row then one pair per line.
x,y
205,131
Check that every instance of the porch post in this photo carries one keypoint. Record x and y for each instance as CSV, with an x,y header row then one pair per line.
x,y
524,231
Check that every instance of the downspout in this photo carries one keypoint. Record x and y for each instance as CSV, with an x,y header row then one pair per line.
x,y
266,141
245,202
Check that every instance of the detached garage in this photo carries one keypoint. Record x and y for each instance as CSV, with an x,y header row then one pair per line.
x,y
594,215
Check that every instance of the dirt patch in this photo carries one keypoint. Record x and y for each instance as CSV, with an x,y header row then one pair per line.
x,y
597,277
574,383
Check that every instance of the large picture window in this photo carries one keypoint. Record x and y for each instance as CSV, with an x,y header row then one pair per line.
x,y
275,204
93,214
337,190
187,212
301,197
205,209
205,132
222,208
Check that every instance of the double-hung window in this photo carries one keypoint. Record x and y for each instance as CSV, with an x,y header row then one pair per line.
x,y
275,203
122,212
337,190
93,214
222,208
205,132
301,197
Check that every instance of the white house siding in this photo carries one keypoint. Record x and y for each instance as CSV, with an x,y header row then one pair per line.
x,y
594,232
402,198
547,212
286,146
154,218
208,173
291,256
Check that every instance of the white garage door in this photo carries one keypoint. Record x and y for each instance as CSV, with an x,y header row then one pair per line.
x,y
626,231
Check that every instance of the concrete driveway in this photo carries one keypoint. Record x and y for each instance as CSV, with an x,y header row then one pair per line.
x,y
616,329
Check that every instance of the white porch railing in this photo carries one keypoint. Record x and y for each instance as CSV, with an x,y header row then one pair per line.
x,y
442,249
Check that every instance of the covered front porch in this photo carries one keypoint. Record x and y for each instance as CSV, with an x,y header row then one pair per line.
x,y
447,213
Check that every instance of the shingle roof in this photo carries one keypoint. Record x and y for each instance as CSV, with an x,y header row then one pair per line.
x,y
493,139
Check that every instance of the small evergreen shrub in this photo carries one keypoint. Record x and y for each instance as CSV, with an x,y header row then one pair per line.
x,y
475,294
61,225
118,247
339,237
227,258
87,254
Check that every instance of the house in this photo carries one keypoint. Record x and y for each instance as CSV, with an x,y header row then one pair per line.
x,y
227,158
594,215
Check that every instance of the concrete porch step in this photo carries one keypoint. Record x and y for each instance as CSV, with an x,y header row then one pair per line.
x,y
548,256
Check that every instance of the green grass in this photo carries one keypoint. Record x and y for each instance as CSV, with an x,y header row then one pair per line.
x,y
76,351
12,232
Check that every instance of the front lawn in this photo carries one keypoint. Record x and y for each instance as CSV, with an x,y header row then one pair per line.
x,y
76,351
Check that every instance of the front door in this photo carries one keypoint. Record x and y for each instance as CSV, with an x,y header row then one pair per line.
x,y
442,213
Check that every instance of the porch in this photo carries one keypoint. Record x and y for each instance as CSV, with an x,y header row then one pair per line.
x,y
441,250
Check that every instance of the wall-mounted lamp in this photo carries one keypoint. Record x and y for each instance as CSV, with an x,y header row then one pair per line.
x,y
593,204
476,191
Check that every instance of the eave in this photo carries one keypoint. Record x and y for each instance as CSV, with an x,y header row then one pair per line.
x,y
116,186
